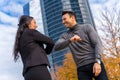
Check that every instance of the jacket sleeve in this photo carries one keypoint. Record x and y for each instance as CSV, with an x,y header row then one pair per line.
x,y
61,43
37,36
95,41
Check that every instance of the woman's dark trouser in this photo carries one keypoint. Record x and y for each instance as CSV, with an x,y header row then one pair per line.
x,y
86,73
37,73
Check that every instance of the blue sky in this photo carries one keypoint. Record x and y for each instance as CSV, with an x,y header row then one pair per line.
x,y
10,10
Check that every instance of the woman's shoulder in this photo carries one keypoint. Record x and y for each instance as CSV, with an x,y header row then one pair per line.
x,y
30,30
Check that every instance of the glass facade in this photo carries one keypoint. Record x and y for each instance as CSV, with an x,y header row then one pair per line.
x,y
51,13
52,19
26,9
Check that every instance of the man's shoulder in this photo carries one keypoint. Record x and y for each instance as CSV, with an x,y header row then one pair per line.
x,y
85,25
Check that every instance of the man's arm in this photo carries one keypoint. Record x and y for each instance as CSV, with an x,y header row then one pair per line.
x,y
95,41
62,43
40,38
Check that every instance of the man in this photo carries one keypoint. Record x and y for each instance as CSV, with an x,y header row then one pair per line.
x,y
85,46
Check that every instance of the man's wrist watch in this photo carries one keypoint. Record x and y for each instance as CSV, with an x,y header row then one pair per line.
x,y
98,61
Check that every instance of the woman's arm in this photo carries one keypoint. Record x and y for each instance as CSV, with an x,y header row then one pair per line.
x,y
39,37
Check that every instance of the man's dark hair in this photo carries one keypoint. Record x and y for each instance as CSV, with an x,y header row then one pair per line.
x,y
71,13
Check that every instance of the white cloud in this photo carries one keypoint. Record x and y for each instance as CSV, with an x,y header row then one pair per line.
x,y
9,70
22,2
9,77
13,9
4,18
97,8
1,1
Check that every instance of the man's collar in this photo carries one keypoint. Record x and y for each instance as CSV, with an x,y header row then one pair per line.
x,y
74,27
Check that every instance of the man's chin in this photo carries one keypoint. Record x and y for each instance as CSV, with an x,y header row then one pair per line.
x,y
67,26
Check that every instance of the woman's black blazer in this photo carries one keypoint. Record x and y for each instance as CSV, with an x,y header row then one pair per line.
x,y
33,48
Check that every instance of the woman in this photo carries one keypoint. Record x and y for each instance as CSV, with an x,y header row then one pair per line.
x,y
30,44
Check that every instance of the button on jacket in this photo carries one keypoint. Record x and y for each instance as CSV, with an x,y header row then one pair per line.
x,y
32,49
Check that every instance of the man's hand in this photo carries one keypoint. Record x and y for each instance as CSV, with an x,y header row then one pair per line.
x,y
96,69
75,38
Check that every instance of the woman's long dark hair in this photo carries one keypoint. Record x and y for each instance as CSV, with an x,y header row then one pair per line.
x,y
24,22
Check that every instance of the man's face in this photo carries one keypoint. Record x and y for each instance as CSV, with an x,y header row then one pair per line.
x,y
67,20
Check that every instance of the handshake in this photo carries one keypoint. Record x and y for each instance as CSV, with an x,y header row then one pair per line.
x,y
75,38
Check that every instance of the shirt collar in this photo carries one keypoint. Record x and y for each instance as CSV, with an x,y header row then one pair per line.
x,y
75,27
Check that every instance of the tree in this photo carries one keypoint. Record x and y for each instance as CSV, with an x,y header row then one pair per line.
x,y
113,67
111,32
111,42
68,70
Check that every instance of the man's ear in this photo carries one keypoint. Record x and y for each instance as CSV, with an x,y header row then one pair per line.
x,y
73,18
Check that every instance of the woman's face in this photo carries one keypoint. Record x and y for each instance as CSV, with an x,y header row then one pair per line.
x,y
32,24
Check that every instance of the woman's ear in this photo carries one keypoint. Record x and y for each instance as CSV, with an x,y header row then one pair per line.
x,y
29,26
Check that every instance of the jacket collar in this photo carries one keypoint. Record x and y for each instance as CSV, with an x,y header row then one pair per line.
x,y
75,27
